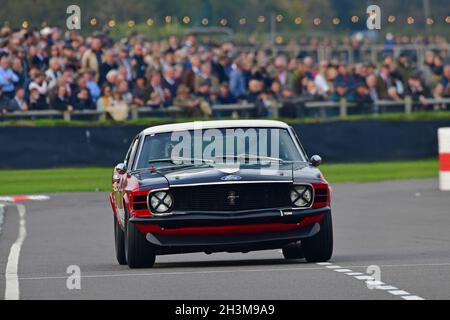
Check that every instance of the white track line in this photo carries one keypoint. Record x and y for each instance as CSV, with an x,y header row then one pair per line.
x,y
182,273
371,281
2,215
412,298
11,275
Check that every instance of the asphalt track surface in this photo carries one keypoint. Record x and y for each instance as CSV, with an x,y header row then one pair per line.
x,y
401,227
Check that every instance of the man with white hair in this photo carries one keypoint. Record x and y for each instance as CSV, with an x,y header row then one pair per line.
x,y
282,73
53,73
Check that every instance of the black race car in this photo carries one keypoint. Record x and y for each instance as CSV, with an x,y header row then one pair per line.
x,y
220,186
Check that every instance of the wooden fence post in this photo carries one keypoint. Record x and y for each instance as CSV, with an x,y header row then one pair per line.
x,y
343,107
67,116
134,113
408,104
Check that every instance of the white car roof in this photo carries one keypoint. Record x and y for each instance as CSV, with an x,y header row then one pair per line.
x,y
215,124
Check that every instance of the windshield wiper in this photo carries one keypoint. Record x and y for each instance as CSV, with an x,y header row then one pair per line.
x,y
180,161
153,161
249,157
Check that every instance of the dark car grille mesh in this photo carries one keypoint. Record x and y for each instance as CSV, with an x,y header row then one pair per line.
x,y
232,197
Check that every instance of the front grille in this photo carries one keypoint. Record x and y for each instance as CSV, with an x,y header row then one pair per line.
x,y
232,197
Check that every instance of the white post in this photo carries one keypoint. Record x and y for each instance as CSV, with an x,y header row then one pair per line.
x,y
444,159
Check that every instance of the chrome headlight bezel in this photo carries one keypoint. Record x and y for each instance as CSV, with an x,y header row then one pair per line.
x,y
160,202
302,196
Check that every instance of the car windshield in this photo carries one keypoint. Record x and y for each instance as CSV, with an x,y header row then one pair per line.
x,y
246,146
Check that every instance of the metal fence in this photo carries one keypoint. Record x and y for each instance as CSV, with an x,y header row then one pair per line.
x,y
321,109
372,53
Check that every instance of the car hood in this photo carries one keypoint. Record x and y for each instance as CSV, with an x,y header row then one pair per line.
x,y
213,175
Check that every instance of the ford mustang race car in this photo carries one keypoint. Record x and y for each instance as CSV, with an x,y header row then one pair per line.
x,y
220,186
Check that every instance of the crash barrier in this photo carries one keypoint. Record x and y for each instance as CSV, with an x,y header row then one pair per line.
x,y
292,108
335,141
444,158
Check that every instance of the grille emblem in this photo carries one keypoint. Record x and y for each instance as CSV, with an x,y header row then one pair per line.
x,y
232,197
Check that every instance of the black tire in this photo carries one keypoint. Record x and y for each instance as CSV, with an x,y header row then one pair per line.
x,y
320,247
294,251
139,252
119,240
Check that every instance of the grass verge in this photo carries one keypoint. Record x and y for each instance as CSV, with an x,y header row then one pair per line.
x,y
417,116
14,182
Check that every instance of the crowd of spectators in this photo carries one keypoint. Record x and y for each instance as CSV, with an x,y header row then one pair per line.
x,y
52,69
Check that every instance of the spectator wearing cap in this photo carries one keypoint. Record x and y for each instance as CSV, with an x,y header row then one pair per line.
x,y
404,68
342,92
225,96
8,79
204,91
362,99
344,77
192,105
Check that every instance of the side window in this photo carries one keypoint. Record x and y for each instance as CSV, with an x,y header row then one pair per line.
x,y
132,153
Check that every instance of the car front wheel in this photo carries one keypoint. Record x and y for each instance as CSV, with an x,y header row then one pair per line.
x,y
138,251
119,239
319,248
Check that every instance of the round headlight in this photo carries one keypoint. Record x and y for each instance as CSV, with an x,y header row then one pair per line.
x,y
161,202
302,196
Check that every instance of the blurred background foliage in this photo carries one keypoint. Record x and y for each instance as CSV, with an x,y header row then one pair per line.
x,y
52,12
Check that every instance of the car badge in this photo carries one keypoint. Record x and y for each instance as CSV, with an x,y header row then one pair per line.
x,y
231,178
232,197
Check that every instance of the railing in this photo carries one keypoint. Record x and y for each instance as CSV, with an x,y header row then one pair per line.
x,y
367,53
244,109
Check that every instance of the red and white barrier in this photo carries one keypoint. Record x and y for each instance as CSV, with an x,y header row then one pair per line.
x,y
444,159
24,198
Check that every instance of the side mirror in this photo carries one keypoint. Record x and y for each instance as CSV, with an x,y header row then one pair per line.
x,y
316,161
121,168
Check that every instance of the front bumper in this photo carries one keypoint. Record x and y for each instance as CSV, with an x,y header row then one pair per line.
x,y
231,231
